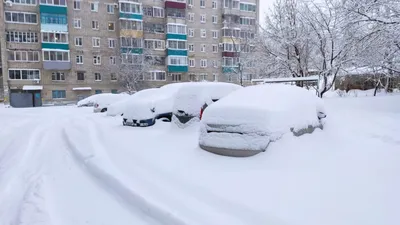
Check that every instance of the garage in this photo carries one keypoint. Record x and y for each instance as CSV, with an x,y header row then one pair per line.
x,y
28,96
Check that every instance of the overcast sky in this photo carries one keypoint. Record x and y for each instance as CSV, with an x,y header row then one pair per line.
x,y
264,5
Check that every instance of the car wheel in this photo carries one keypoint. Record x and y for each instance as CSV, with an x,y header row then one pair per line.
x,y
104,110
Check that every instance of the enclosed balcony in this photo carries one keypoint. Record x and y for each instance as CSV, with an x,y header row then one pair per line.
x,y
175,4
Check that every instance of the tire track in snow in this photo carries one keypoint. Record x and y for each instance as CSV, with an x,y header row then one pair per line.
x,y
135,202
217,207
22,182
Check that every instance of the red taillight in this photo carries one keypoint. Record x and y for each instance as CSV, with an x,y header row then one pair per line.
x,y
201,113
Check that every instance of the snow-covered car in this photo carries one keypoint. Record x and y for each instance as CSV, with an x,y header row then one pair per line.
x,y
102,101
192,99
245,122
145,111
119,107
87,102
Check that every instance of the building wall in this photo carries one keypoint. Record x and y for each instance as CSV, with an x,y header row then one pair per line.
x,y
87,51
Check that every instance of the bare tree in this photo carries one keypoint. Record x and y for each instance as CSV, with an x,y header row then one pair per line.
x,y
134,69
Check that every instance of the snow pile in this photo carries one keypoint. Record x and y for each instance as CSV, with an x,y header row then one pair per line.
x,y
263,113
103,99
140,110
193,96
87,102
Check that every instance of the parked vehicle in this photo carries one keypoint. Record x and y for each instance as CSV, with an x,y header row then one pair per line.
x,y
193,98
102,101
245,122
119,107
145,111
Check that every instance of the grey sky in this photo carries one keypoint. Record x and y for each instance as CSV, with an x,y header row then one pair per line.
x,y
264,5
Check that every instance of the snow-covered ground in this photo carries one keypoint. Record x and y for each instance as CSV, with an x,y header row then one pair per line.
x,y
67,165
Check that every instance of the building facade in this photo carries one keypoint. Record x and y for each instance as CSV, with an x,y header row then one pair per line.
x,y
65,50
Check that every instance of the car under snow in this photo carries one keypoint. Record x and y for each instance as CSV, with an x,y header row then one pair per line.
x,y
193,98
144,111
102,101
245,122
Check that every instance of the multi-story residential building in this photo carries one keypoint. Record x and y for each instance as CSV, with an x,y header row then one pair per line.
x,y
65,50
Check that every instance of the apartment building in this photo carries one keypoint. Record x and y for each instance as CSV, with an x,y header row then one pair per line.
x,y
65,50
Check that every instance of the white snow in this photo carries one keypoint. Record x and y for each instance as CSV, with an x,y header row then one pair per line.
x,y
66,165
32,87
82,89
192,96
103,99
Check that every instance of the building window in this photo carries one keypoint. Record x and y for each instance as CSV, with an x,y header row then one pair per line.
x,y
191,17
95,24
191,47
77,23
248,7
97,76
79,41
192,62
132,59
178,60
247,21
111,26
97,60
113,60
176,28
190,2
24,2
203,33
21,17
215,77
21,37
113,77
59,94
203,63
215,34
156,76
215,19
23,56
77,4
110,8
175,76
214,5
57,76
177,44
131,7
191,32
215,63
203,18
54,2
158,12
154,44
23,74
98,91
79,59
132,25
94,6
47,18
112,43
55,55
128,42
54,37
203,48
215,48
114,91
202,77
96,42
202,3
80,75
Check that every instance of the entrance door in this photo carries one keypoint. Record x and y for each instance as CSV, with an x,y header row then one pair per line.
x,y
37,99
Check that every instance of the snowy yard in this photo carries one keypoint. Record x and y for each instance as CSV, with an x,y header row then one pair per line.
x,y
67,165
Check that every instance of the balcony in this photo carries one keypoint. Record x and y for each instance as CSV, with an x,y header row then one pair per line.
x,y
175,4
132,50
177,52
135,16
63,46
178,69
52,9
177,36
56,65
230,54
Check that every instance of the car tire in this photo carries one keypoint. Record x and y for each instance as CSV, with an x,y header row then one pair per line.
x,y
103,110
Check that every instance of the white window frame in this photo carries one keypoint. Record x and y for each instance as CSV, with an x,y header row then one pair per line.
x,y
191,17
97,60
96,6
96,23
203,63
96,42
184,58
78,2
76,22
214,4
203,18
54,50
19,22
214,19
170,29
25,53
112,60
20,71
96,78
27,4
177,41
152,75
192,62
14,36
154,45
215,47
108,25
191,49
191,32
80,57
110,6
55,33
203,33
202,5
76,41
203,48
215,34
112,43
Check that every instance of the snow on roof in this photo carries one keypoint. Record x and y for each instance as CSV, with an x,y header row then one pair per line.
x,y
269,108
286,79
82,89
32,87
